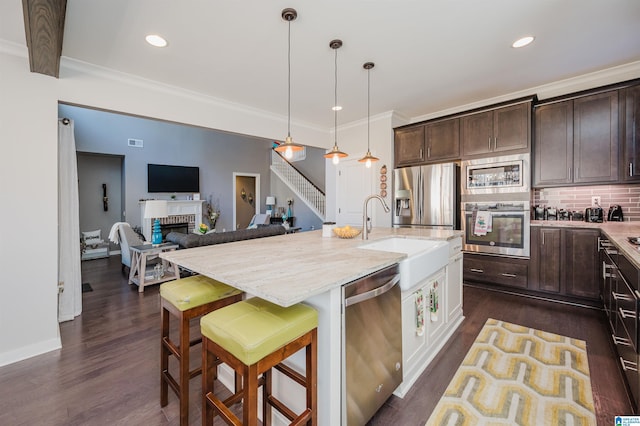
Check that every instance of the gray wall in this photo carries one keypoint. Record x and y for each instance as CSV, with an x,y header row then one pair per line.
x,y
218,155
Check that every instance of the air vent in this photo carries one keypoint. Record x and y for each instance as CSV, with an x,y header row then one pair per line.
x,y
136,143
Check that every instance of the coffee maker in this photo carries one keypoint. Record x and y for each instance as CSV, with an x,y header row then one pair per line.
x,y
615,213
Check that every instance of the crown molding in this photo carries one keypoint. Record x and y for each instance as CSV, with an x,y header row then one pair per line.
x,y
590,80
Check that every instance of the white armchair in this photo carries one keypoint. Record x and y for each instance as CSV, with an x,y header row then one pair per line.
x,y
122,234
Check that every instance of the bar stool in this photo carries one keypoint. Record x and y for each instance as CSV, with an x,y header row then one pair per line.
x,y
185,300
252,337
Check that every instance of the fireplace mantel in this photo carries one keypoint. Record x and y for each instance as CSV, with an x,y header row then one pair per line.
x,y
175,208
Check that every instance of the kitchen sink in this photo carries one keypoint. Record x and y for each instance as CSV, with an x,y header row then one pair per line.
x,y
424,257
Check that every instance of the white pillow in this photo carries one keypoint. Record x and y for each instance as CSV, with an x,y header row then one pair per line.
x,y
91,235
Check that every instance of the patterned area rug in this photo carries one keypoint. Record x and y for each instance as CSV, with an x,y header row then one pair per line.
x,y
518,375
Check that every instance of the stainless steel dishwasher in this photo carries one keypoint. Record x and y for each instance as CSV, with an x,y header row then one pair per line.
x,y
372,342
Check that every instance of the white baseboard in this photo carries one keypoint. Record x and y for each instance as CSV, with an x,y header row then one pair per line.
x,y
29,351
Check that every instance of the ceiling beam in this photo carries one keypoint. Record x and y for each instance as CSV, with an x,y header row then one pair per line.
x,y
44,29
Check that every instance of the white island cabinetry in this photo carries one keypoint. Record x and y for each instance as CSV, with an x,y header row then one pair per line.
x,y
439,298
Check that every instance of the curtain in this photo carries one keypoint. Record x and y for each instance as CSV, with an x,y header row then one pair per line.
x,y
70,300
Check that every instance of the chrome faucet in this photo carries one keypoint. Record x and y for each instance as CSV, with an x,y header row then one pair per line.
x,y
366,224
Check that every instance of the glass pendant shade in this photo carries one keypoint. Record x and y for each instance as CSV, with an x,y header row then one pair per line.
x,y
288,147
368,159
335,154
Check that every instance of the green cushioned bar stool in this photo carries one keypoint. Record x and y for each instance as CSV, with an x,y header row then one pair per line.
x,y
252,337
187,299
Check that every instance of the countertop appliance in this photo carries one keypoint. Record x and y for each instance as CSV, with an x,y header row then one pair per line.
x,y
615,213
593,215
427,196
372,342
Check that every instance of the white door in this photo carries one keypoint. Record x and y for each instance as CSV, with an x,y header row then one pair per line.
x,y
353,185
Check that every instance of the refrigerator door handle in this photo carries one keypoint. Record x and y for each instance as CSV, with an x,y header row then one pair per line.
x,y
421,197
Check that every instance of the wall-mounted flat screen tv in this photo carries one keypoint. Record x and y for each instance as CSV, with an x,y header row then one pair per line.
x,y
164,178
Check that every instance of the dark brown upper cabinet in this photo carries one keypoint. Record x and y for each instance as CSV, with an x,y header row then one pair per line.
x,y
595,138
432,142
499,131
576,141
553,150
630,104
443,140
409,146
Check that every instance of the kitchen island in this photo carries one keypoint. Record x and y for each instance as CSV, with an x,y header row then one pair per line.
x,y
303,267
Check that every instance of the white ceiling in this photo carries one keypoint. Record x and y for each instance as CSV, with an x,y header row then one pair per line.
x,y
430,55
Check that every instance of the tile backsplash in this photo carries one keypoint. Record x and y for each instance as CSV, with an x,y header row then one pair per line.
x,y
578,198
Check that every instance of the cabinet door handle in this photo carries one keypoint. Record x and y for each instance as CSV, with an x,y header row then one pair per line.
x,y
630,169
620,296
504,274
620,340
428,152
628,365
625,313
542,238
421,153
479,271
495,143
489,143
570,177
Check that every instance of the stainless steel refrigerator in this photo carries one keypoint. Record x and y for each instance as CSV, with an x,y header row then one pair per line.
x,y
427,196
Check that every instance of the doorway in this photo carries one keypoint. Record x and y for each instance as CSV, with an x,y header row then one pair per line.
x,y
100,192
246,189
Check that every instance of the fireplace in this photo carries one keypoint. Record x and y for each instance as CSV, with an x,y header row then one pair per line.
x,y
180,212
173,227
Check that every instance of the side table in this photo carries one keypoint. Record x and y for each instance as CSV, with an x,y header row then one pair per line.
x,y
139,274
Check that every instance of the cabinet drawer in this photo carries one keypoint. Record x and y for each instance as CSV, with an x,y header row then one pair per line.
x,y
628,359
626,307
496,270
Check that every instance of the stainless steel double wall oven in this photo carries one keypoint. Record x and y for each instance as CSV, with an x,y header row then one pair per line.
x,y
496,205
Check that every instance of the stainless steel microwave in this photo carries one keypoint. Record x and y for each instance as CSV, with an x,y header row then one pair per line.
x,y
496,175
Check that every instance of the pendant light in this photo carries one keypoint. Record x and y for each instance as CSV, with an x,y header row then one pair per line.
x,y
368,158
288,147
335,154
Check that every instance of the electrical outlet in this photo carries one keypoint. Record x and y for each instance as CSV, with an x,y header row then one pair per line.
x,y
595,201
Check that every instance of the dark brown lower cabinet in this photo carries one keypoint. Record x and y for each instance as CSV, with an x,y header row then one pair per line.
x,y
506,271
545,264
565,261
582,267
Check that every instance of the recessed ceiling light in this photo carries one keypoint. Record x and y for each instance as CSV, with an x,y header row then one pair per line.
x,y
336,108
523,41
156,40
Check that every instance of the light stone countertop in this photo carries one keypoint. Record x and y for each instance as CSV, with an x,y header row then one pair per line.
x,y
616,232
287,269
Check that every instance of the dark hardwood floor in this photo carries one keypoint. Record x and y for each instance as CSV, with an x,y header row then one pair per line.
x,y
107,372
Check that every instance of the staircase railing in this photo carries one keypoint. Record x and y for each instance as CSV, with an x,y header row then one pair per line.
x,y
311,195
